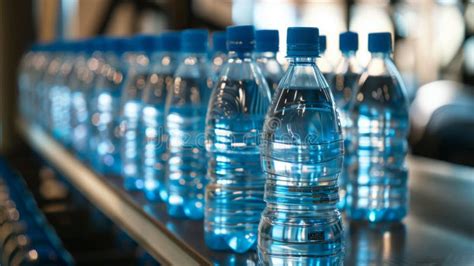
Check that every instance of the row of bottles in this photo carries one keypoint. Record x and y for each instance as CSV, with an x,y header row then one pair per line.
x,y
26,238
202,132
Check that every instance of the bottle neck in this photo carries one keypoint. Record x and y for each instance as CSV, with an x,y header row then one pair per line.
x,y
240,54
349,54
380,55
266,55
302,60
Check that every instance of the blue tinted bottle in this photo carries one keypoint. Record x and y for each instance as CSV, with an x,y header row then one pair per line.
x,y
81,86
266,49
234,195
302,154
160,81
218,52
346,76
138,63
324,65
106,111
186,107
378,189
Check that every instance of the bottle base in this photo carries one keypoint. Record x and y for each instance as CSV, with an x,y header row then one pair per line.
x,y
191,209
297,260
239,243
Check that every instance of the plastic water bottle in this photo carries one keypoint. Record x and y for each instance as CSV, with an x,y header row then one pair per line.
x,y
378,190
60,95
81,84
40,63
163,66
95,63
234,196
302,154
107,97
324,65
138,71
48,93
219,52
266,49
346,76
24,82
186,108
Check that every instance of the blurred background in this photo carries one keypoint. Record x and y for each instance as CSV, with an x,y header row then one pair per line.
x,y
434,47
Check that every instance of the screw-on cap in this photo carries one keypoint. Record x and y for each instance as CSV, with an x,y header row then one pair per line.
x,y
266,41
241,38
348,41
302,41
194,41
118,45
146,43
322,43
171,41
98,43
219,39
380,42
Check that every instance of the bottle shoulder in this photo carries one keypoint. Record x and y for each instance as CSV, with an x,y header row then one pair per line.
x,y
381,87
348,66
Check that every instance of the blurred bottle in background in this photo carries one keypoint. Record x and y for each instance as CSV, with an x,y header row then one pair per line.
x,y
186,108
48,80
346,77
302,154
378,190
107,95
234,196
95,63
218,52
60,94
81,85
266,49
137,62
324,65
164,62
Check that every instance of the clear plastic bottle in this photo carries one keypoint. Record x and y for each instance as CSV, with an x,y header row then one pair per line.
x,y
80,84
24,82
302,154
218,53
266,49
324,65
137,62
186,108
40,63
346,76
60,94
378,189
234,195
50,91
163,66
107,98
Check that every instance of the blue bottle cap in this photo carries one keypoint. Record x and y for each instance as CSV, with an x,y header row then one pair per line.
x,y
118,45
348,41
146,43
219,39
241,38
380,42
267,41
98,43
194,41
322,43
302,41
171,41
